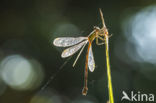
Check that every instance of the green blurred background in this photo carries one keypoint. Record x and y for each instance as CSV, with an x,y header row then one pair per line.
x,y
28,59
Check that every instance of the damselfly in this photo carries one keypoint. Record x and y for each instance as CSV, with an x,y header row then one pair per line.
x,y
77,43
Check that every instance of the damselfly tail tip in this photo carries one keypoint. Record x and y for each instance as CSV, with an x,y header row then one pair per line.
x,y
84,91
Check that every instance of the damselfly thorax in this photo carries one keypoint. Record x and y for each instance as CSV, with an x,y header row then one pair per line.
x,y
77,43
97,34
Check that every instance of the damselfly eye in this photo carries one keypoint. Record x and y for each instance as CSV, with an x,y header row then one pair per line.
x,y
106,32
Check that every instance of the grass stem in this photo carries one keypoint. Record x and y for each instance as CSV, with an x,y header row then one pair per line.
x,y
110,89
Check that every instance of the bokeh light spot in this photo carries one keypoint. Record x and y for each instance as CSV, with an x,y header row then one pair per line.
x,y
20,73
140,31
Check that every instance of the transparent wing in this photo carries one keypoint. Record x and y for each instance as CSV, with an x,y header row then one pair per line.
x,y
70,51
91,62
68,41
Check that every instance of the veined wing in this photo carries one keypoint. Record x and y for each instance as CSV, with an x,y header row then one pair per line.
x,y
68,41
70,51
91,62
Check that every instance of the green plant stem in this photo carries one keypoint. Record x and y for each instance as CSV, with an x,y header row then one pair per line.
x,y
110,89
